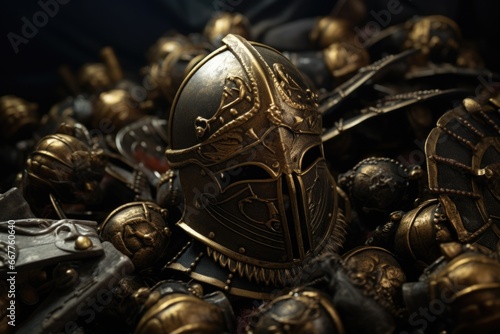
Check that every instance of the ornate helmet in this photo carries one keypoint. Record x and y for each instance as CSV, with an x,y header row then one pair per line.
x,y
18,118
225,23
300,311
175,307
461,288
117,107
66,167
245,137
138,230
437,37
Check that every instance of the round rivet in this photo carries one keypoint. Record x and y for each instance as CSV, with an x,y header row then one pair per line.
x,y
65,276
83,243
242,250
211,235
197,289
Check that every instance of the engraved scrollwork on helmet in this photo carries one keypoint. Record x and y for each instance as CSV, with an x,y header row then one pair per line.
x,y
235,91
296,97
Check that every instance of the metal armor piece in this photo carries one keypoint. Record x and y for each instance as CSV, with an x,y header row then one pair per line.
x,y
64,166
472,281
167,74
144,142
14,206
98,77
166,45
18,118
419,233
328,30
378,274
174,307
463,158
464,285
376,185
91,289
343,59
114,109
437,37
224,23
168,191
300,311
94,77
41,242
245,137
79,108
138,230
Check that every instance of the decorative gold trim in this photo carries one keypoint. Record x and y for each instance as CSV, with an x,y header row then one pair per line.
x,y
329,308
279,276
220,284
478,287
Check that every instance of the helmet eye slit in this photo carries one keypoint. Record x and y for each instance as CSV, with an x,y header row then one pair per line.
x,y
310,157
242,173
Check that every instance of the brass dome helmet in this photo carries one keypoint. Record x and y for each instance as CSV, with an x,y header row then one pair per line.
x,y
138,230
225,23
437,37
470,283
245,137
300,311
18,118
175,307
63,166
461,288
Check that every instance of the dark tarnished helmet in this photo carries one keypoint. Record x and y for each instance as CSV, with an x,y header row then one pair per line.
x,y
245,137
376,186
300,311
328,30
461,289
66,167
471,283
175,307
378,274
343,59
225,23
437,37
166,45
94,77
18,118
114,109
138,230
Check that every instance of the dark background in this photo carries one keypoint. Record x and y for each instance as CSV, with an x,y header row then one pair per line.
x,y
78,31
